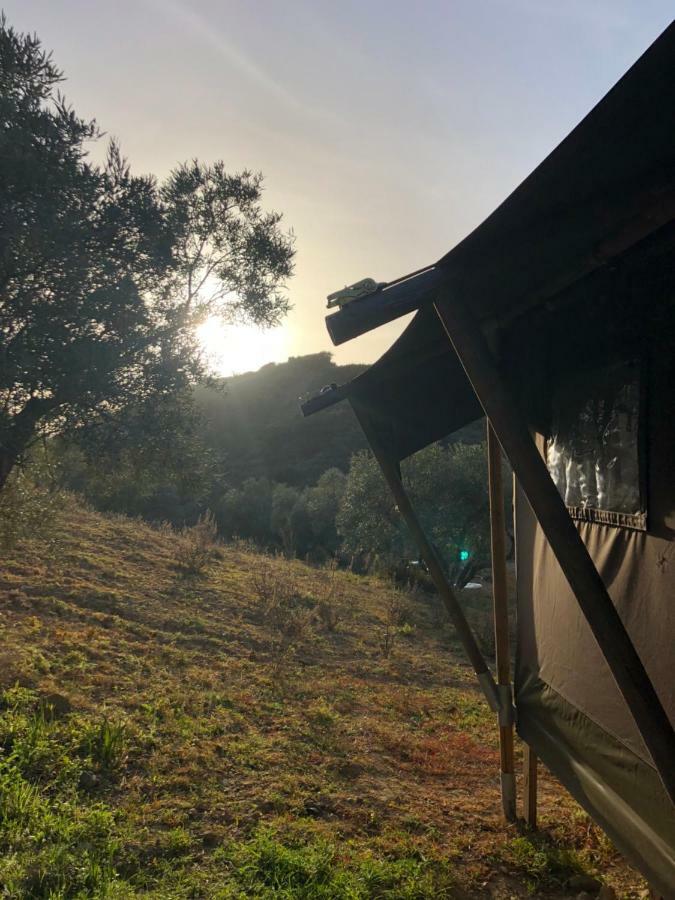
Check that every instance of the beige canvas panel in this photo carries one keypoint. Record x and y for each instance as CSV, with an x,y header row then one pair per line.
x,y
556,642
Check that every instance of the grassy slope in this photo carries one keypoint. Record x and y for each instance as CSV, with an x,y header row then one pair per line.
x,y
159,745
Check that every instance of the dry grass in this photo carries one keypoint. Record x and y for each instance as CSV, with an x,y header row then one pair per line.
x,y
359,773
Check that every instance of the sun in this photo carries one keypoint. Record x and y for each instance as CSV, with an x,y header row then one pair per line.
x,y
233,349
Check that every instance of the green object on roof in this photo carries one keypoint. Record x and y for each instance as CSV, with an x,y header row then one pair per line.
x,y
354,292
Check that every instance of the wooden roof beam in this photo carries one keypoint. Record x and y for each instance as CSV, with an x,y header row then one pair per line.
x,y
392,302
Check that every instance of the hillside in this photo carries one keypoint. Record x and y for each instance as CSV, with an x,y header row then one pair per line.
x,y
263,729
256,426
253,422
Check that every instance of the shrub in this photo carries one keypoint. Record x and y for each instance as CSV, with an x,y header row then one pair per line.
x,y
28,510
395,622
288,613
197,545
331,605
264,581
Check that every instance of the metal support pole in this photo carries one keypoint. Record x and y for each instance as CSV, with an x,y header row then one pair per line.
x,y
596,605
501,622
428,554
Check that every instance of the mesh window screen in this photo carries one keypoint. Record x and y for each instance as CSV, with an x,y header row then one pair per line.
x,y
593,452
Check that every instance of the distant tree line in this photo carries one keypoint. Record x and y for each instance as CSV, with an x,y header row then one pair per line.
x,y
349,514
229,452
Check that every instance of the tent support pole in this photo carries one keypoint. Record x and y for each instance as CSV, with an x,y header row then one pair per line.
x,y
393,478
652,722
501,623
530,786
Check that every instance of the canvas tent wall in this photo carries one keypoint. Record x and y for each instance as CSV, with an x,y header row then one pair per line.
x,y
608,347
571,284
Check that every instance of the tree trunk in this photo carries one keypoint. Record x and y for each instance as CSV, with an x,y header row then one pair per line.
x,y
16,439
7,463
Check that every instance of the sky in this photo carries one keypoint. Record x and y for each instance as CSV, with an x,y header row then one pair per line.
x,y
386,130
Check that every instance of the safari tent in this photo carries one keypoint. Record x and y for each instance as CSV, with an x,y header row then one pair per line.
x,y
555,319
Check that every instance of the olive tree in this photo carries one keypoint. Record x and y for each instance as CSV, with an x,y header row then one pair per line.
x,y
104,274
448,488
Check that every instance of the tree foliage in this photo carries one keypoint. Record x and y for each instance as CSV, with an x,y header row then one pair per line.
x,y
231,256
151,462
103,274
322,503
356,515
448,488
298,521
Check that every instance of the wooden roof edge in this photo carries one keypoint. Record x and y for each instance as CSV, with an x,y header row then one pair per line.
x,y
323,399
392,302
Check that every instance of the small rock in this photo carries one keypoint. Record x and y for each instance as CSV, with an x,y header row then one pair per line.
x,y
88,780
584,895
607,893
585,883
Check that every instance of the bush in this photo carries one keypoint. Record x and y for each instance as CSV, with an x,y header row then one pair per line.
x,y
395,622
28,509
197,545
331,605
288,613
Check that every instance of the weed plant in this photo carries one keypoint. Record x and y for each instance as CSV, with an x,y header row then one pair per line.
x,y
197,546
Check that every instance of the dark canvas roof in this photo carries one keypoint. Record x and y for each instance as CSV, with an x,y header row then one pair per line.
x,y
610,183
417,392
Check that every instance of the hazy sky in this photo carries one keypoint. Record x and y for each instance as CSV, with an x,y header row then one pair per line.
x,y
386,130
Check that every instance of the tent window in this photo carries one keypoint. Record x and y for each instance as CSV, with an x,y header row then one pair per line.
x,y
593,452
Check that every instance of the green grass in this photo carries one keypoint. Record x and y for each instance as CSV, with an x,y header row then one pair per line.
x,y
104,743
266,867
167,737
542,862
53,841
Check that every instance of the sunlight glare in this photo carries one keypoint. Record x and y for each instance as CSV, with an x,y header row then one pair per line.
x,y
231,349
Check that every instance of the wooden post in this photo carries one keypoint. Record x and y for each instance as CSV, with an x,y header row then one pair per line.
x,y
530,786
428,554
596,605
501,624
